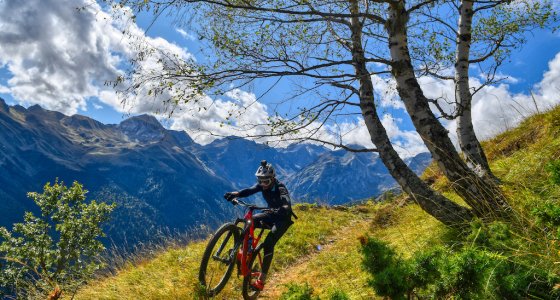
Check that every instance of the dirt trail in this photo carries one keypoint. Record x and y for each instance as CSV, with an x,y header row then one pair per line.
x,y
307,269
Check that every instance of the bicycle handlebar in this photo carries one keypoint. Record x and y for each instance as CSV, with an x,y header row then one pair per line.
x,y
236,201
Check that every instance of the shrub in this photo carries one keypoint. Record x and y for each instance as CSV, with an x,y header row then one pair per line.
x,y
390,273
377,255
57,249
548,215
496,235
425,267
338,295
462,274
553,169
298,292
517,281
469,272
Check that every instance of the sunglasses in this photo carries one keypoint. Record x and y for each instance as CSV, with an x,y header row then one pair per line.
x,y
266,181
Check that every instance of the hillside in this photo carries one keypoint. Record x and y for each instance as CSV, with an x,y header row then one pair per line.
x,y
161,179
322,248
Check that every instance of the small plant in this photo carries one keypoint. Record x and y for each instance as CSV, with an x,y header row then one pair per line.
x,y
474,271
553,169
199,292
390,273
338,295
496,235
298,292
548,215
55,251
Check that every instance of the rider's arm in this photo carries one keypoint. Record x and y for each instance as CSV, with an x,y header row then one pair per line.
x,y
249,191
285,199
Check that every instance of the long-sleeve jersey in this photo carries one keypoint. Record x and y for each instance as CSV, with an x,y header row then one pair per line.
x,y
276,197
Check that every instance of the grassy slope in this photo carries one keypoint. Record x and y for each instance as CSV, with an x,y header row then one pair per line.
x,y
518,158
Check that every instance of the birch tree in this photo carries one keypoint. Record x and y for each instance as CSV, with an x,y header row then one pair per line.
x,y
485,35
321,45
331,49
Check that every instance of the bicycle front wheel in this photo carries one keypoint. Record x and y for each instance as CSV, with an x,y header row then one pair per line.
x,y
218,259
250,292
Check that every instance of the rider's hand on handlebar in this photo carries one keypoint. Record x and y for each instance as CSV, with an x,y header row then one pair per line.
x,y
230,196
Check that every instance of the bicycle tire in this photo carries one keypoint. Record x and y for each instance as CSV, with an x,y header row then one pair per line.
x,y
250,293
206,277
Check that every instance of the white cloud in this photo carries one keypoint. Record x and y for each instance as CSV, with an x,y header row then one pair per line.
x,y
185,35
208,119
4,89
57,57
386,92
406,143
495,108
60,58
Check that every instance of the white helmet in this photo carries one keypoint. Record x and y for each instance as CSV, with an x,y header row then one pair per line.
x,y
265,171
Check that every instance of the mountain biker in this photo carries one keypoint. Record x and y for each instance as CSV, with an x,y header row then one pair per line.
x,y
278,219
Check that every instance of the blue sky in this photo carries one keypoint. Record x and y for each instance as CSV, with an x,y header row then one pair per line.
x,y
58,58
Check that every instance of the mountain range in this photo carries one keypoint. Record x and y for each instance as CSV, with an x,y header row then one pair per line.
x,y
160,178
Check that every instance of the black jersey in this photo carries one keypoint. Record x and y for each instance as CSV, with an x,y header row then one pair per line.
x,y
276,196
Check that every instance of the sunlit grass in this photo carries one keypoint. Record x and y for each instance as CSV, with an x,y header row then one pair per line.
x,y
322,247
173,273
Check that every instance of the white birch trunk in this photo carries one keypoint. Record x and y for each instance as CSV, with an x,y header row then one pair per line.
x,y
474,154
443,209
481,194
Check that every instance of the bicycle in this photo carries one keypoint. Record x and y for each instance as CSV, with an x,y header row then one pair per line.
x,y
232,245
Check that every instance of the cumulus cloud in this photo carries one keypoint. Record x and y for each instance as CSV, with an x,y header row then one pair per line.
x,y
207,119
495,109
57,56
60,58
60,53
4,89
406,143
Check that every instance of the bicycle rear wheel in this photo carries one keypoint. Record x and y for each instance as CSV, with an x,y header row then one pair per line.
x,y
218,259
255,265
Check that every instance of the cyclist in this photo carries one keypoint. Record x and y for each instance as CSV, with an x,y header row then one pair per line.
x,y
278,219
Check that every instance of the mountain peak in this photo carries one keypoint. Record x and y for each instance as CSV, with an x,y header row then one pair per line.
x,y
80,121
144,128
36,108
145,120
3,105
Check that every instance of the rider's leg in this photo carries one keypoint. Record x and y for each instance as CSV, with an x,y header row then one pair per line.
x,y
273,237
279,225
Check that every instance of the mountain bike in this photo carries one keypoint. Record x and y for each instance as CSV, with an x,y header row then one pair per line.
x,y
234,245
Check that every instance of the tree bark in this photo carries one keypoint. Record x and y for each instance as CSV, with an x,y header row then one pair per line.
x,y
470,146
480,193
443,209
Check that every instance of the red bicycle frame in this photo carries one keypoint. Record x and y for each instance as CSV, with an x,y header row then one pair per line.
x,y
243,256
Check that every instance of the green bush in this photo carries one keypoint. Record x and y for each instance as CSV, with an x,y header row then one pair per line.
x,y
391,274
56,249
548,215
338,295
495,235
473,271
553,169
393,281
516,281
425,267
377,255
463,274
298,292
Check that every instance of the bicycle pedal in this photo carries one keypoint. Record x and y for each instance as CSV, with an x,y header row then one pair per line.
x,y
258,285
